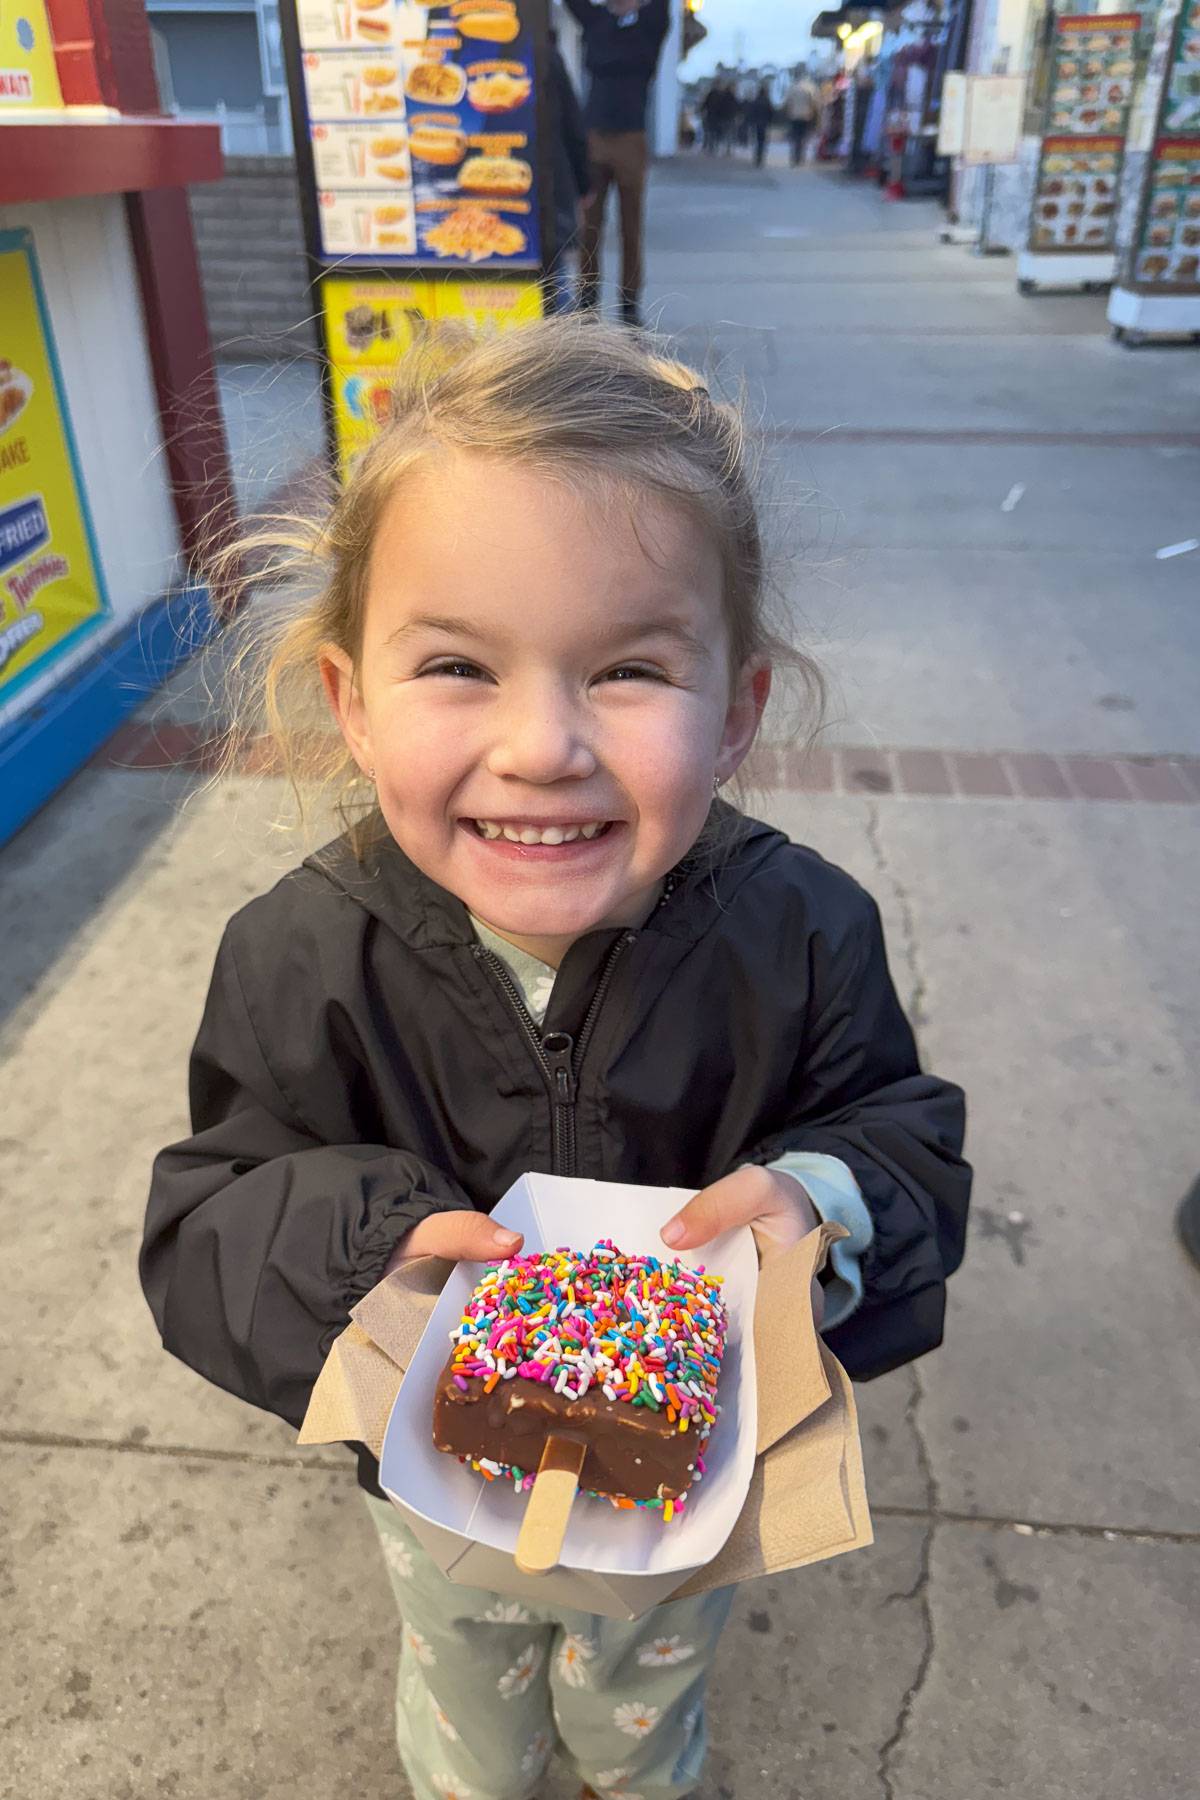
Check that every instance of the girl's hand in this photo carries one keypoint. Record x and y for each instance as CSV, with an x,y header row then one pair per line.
x,y
456,1236
774,1205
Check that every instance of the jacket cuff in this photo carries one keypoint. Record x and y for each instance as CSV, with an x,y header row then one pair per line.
x,y
836,1196
398,1220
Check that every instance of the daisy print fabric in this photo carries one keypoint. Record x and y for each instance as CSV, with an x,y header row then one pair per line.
x,y
665,1652
636,1718
515,1681
573,1659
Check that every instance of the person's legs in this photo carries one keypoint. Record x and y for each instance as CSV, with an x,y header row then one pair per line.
x,y
629,1698
760,145
629,168
473,1712
592,230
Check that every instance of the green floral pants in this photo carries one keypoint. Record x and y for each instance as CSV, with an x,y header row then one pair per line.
x,y
490,1688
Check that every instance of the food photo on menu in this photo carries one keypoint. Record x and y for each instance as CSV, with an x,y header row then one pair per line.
x,y
421,120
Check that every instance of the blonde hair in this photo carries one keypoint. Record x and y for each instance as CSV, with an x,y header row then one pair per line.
x,y
577,398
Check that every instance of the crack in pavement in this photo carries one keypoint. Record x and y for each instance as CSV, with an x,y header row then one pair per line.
x,y
916,1008
890,1748
918,993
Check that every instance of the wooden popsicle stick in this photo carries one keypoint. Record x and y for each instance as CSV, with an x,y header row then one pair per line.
x,y
544,1526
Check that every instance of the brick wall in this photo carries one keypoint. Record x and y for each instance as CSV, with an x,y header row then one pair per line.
x,y
251,249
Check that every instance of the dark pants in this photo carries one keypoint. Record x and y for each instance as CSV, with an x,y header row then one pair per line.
x,y
620,158
760,145
798,130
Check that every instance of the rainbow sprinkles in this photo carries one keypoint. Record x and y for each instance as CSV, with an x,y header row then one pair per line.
x,y
622,1352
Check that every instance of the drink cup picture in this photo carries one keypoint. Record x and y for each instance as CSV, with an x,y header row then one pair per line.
x,y
362,226
352,89
356,151
344,20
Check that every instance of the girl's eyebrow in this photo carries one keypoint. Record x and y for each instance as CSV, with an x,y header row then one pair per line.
x,y
618,630
443,623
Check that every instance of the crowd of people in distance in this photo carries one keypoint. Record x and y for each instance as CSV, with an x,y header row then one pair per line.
x,y
733,115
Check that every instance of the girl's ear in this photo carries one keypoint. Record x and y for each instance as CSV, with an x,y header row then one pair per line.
x,y
346,703
743,717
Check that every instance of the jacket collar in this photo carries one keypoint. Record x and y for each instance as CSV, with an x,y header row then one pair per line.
x,y
427,917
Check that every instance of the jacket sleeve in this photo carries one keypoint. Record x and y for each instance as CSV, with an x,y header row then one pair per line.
x,y
860,1096
259,1236
656,19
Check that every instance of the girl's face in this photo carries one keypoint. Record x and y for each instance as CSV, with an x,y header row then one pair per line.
x,y
544,695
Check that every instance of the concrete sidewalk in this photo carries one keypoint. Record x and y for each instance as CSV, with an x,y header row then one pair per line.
x,y
197,1610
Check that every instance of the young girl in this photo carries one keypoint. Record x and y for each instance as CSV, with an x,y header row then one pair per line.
x,y
543,944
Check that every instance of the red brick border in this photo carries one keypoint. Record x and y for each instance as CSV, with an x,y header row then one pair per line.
x,y
825,769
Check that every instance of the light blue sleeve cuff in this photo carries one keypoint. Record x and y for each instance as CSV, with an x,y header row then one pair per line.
x,y
836,1196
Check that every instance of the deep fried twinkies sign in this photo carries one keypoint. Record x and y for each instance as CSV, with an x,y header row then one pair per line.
x,y
50,587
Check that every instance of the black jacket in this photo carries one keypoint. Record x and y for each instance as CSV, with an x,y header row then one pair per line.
x,y
363,1062
620,58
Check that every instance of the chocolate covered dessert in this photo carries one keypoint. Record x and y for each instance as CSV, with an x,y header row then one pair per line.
x,y
620,1352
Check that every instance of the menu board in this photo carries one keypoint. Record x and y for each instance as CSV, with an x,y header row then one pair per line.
x,y
370,323
1181,102
1168,247
1079,173
1076,201
421,122
1165,256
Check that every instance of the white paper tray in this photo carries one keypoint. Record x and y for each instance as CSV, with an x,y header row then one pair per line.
x,y
459,1516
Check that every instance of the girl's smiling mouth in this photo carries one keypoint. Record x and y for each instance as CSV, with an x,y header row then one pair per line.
x,y
527,834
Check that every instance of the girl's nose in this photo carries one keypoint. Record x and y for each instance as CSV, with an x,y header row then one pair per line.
x,y
541,738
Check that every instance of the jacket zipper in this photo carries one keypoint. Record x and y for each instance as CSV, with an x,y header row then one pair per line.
x,y
560,1055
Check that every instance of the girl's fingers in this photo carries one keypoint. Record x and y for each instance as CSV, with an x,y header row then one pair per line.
x,y
458,1237
736,1199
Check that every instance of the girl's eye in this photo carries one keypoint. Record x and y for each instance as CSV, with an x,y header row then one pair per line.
x,y
633,672
454,665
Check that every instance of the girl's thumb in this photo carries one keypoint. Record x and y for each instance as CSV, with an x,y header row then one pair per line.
x,y
461,1236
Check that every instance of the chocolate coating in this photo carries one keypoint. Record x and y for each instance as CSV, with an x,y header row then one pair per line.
x,y
631,1450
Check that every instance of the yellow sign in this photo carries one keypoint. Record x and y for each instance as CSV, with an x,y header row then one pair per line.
x,y
28,71
370,323
50,591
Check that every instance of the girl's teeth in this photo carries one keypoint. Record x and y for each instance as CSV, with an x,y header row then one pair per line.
x,y
552,834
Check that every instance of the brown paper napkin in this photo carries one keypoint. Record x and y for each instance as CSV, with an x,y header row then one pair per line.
x,y
807,1497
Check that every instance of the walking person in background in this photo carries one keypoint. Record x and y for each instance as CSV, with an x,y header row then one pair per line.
x,y
762,111
800,106
712,109
621,44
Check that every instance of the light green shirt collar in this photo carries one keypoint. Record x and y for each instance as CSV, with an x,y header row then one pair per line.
x,y
534,977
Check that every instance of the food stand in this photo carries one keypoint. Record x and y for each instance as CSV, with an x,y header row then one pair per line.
x,y
423,136
1073,221
1159,286
113,467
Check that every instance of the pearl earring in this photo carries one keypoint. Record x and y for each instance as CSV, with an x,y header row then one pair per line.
x,y
716,784
371,774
